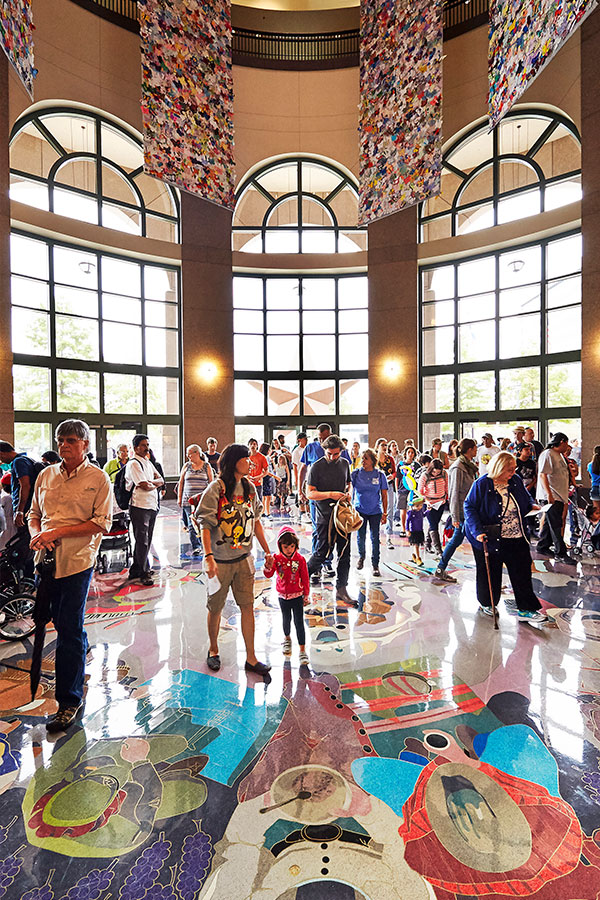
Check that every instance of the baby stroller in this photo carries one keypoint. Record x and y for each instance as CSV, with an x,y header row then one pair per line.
x,y
585,529
17,590
118,540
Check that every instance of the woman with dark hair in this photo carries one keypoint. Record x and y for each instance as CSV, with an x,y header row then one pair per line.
x,y
461,475
433,487
495,511
436,452
229,515
370,497
594,470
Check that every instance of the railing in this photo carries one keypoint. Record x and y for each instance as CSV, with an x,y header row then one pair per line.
x,y
306,51
338,48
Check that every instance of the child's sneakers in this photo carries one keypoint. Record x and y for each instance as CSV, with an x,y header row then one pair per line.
x,y
287,647
303,658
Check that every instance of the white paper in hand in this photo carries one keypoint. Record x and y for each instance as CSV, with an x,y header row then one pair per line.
x,y
538,512
213,585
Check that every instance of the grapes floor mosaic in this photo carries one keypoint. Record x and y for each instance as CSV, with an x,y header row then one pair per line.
x,y
420,754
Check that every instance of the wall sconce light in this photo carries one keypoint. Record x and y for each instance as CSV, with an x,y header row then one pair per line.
x,y
207,371
392,369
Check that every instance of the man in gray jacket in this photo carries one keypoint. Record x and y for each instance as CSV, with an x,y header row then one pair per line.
x,y
461,475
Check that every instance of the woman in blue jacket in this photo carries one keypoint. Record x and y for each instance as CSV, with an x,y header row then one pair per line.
x,y
495,509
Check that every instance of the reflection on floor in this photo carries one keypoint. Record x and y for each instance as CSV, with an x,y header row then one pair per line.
x,y
421,754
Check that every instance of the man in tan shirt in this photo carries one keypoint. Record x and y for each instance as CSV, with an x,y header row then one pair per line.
x,y
70,512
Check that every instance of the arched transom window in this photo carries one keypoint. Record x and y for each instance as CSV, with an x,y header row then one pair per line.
x,y
79,164
298,205
529,163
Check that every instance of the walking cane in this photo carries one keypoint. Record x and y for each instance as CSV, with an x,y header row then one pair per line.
x,y
487,566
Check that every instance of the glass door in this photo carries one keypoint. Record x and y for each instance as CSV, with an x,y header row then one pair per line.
x,y
108,438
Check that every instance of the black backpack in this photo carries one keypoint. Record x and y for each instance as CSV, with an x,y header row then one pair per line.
x,y
122,495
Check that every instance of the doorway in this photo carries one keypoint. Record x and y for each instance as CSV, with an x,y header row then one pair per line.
x,y
108,438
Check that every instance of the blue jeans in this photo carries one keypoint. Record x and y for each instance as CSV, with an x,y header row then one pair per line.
x,y
313,518
186,516
374,523
391,498
452,546
69,595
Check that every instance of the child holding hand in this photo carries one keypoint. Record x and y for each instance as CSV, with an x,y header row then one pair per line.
x,y
293,588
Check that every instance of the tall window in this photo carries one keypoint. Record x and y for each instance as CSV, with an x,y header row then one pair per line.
x,y
501,341
300,205
300,351
529,163
300,340
79,164
94,335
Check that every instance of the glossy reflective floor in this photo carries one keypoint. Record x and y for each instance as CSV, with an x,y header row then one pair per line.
x,y
421,754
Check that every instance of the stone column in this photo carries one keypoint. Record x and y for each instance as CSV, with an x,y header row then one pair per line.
x,y
6,384
207,315
590,224
393,319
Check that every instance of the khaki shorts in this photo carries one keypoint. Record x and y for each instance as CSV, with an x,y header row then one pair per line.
x,y
239,576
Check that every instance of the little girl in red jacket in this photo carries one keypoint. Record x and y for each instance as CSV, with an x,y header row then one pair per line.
x,y
293,588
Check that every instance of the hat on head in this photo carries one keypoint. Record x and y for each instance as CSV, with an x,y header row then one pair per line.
x,y
518,428
488,435
6,479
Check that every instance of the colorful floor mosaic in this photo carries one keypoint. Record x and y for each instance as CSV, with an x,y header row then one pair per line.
x,y
421,754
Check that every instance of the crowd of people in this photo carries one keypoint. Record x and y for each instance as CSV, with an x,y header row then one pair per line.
x,y
489,493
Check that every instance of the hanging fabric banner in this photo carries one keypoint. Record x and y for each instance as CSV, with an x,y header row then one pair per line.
x,y
187,95
16,36
400,105
524,36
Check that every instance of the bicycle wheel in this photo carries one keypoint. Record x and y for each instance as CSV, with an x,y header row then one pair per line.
x,y
16,617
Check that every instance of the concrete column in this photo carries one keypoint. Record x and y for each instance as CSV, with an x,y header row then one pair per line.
x,y
590,223
393,331
207,301
6,384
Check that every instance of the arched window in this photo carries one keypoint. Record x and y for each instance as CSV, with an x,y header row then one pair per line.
x,y
79,164
529,163
95,332
501,331
299,205
300,338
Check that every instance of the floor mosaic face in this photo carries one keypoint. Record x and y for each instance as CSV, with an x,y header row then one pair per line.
x,y
421,754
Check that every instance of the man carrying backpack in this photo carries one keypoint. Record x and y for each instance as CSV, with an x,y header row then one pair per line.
x,y
143,480
329,481
23,472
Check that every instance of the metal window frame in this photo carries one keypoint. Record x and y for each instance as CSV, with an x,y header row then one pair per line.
x,y
455,209
37,117
299,194
541,361
52,362
300,375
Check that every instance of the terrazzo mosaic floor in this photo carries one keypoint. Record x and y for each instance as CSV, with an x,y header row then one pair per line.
x,y
421,754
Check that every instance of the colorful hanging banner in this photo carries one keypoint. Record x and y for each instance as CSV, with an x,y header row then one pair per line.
x,y
187,95
524,36
401,105
16,37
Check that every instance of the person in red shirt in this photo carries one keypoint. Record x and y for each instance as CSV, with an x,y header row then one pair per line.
x,y
259,467
293,587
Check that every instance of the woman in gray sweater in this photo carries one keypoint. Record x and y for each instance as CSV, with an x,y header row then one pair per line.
x,y
461,475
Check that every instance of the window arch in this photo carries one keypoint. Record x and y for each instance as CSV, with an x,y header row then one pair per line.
x,y
298,205
529,163
79,164
300,337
